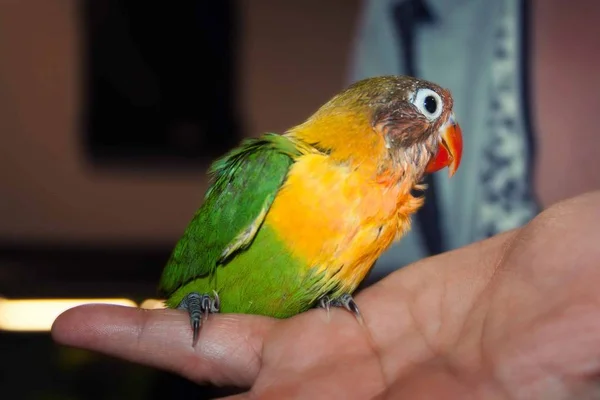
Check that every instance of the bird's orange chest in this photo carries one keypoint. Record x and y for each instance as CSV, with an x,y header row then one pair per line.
x,y
337,218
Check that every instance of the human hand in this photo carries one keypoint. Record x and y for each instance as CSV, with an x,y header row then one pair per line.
x,y
513,317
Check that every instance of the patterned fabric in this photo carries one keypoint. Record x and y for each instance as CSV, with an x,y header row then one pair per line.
x,y
476,49
507,200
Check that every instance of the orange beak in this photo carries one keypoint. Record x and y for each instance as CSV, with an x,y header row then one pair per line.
x,y
450,150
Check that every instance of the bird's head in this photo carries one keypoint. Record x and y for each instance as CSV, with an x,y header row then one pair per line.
x,y
390,122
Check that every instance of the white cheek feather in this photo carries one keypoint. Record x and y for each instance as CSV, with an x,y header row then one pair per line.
x,y
387,143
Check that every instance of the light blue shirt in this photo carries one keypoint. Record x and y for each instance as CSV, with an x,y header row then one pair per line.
x,y
473,48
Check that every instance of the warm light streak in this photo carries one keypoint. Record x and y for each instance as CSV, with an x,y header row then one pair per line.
x,y
37,315
152,304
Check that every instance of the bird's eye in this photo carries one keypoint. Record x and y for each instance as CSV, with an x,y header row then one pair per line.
x,y
428,102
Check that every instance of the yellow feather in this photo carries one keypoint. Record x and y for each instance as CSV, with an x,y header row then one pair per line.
x,y
339,218
343,205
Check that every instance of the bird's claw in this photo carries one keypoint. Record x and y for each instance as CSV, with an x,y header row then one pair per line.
x,y
198,305
346,301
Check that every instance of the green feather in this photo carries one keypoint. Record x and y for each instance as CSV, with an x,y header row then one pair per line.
x,y
245,183
266,279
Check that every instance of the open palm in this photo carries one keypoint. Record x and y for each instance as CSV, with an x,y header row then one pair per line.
x,y
513,317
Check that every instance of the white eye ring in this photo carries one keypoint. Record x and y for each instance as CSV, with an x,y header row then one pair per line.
x,y
428,102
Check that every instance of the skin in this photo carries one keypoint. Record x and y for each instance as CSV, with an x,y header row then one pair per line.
x,y
513,317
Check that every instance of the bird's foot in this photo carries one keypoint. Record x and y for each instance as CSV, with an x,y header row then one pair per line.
x,y
199,306
346,301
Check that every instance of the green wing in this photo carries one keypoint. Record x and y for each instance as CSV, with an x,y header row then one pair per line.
x,y
245,183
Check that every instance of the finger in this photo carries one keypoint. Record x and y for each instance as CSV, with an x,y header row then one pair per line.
x,y
228,351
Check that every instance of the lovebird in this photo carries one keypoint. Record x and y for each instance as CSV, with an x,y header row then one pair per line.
x,y
296,221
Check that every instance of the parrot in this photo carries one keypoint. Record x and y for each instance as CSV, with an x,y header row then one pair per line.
x,y
297,220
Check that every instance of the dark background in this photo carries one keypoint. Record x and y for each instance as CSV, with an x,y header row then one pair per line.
x,y
110,111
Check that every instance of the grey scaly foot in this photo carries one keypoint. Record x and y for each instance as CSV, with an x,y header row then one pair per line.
x,y
199,305
346,301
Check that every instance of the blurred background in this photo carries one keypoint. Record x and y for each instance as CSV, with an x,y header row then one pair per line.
x,y
112,110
